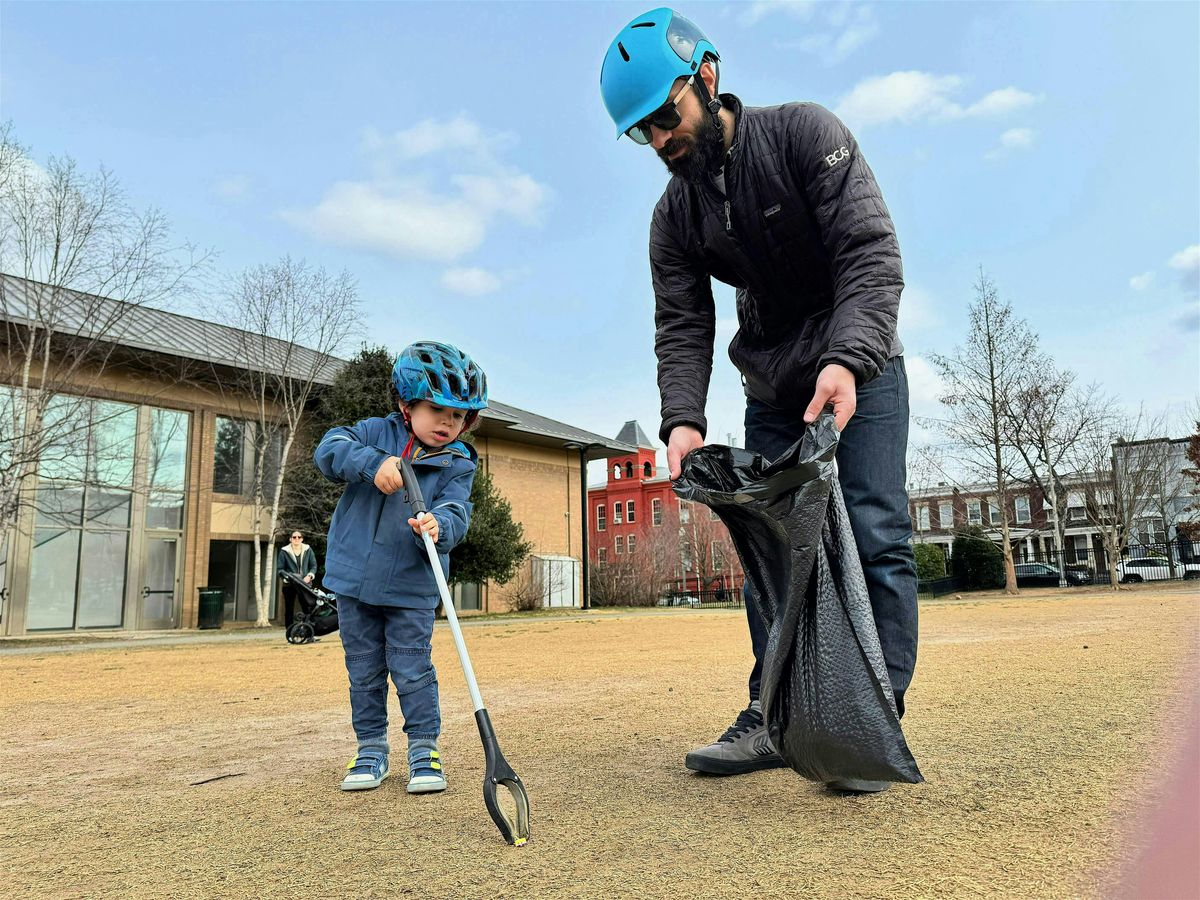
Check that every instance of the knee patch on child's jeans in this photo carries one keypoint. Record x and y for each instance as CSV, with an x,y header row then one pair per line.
x,y
411,668
367,671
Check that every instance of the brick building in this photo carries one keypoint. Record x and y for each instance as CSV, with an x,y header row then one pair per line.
x,y
634,513
938,511
154,504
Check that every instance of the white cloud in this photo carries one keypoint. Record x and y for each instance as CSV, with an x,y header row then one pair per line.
x,y
1187,263
232,188
753,13
1011,141
471,282
917,311
1140,282
437,206
432,136
1001,102
850,27
726,328
914,96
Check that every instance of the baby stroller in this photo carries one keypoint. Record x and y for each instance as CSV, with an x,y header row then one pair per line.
x,y
317,614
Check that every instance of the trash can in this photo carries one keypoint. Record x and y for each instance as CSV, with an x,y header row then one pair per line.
x,y
212,607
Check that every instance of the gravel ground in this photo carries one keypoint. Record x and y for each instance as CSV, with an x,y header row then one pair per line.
x,y
1042,724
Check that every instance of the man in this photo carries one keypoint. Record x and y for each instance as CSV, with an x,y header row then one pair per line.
x,y
779,203
297,558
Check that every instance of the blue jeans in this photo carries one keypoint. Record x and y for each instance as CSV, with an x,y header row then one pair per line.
x,y
379,640
871,469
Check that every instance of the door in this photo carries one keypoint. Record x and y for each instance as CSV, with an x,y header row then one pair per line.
x,y
159,606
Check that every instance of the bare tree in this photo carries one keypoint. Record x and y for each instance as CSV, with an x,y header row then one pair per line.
x,y
79,261
1048,424
1163,463
293,320
1115,506
983,378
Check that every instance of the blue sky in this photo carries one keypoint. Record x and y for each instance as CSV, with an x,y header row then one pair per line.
x,y
456,158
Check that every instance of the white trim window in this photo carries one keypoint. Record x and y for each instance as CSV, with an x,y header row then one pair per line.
x,y
617,508
685,512
1076,508
1021,505
923,517
945,515
601,555
631,541
619,544
974,512
629,512
655,511
718,557
601,516
993,511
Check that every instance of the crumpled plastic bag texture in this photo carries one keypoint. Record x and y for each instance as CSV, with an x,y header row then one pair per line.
x,y
826,696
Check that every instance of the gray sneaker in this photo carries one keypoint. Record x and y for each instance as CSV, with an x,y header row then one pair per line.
x,y
744,747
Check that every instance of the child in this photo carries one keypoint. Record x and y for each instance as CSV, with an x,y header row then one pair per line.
x,y
377,563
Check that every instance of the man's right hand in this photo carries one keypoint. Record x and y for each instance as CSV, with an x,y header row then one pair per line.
x,y
684,439
388,479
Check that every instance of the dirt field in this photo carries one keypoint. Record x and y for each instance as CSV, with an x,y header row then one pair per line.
x,y
1042,725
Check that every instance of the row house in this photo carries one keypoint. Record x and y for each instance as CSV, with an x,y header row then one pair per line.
x,y
635,511
940,511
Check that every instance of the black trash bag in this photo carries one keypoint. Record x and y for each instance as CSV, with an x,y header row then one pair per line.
x,y
826,696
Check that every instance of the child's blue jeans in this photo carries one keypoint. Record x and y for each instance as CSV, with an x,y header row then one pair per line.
x,y
379,640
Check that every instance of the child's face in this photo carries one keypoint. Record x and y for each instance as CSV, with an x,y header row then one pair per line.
x,y
435,426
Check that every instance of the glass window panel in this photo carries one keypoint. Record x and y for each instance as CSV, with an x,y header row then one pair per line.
x,y
102,578
167,463
107,508
164,509
59,505
114,436
227,461
64,438
273,444
52,573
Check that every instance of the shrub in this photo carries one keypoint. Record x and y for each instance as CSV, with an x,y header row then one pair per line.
x,y
931,561
976,560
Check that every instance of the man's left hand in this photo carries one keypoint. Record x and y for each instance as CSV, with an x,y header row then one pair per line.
x,y
308,579
835,385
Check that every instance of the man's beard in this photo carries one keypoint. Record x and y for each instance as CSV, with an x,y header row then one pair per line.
x,y
705,150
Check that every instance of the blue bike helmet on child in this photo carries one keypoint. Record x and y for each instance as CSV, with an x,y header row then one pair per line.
x,y
441,374
643,62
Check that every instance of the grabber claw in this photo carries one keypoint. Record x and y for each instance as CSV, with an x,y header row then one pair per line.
x,y
498,773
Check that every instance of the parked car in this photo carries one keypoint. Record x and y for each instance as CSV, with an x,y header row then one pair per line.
x,y
1153,568
679,600
1042,575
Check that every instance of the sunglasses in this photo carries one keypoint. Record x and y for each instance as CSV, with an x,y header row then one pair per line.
x,y
664,118
297,537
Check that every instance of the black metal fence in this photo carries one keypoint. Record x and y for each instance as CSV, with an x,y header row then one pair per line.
x,y
716,599
1075,567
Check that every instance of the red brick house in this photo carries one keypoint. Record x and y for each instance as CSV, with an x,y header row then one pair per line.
x,y
635,521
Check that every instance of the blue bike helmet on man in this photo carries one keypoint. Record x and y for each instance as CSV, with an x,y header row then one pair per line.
x,y
642,64
441,374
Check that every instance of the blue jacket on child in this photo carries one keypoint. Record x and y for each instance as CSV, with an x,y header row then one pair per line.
x,y
373,554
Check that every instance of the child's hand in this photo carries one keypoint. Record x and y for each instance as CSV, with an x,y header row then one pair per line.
x,y
428,525
388,479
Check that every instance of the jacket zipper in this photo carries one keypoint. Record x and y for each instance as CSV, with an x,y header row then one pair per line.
x,y
728,217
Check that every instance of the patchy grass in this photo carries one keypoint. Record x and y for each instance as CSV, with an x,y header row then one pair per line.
x,y
211,768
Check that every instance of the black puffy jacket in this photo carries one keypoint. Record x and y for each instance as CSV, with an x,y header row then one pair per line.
x,y
804,236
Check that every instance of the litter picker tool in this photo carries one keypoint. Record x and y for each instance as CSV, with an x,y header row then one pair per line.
x,y
497,771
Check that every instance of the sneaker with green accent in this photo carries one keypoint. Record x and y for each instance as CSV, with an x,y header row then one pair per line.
x,y
366,770
425,772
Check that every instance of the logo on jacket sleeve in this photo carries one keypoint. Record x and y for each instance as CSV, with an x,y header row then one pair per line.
x,y
837,156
